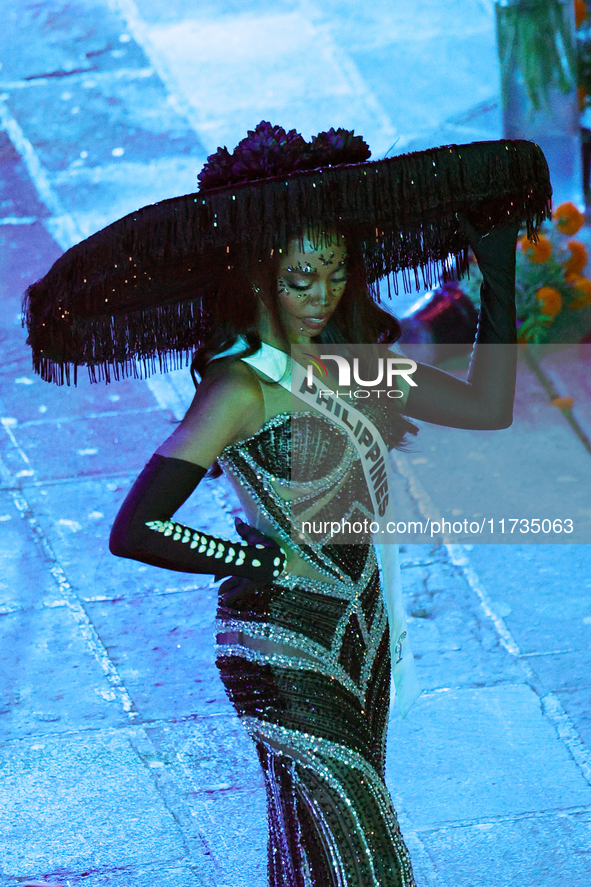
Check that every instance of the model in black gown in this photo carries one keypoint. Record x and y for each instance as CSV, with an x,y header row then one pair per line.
x,y
304,656
283,244
306,663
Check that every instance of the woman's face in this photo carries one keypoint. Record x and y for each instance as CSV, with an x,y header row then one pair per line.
x,y
311,282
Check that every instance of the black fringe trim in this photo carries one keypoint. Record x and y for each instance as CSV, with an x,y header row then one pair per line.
x,y
134,297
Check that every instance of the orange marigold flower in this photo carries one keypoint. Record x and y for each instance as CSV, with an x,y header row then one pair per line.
x,y
580,283
563,403
581,12
551,300
568,218
578,257
537,252
583,287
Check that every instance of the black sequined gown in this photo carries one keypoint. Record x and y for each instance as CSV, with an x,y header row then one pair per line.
x,y
306,663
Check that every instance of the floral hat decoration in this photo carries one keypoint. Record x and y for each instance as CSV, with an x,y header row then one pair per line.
x,y
134,297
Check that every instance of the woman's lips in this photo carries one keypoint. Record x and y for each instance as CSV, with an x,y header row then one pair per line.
x,y
315,323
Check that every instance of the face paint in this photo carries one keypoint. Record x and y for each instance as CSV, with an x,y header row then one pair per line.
x,y
311,282
304,269
326,261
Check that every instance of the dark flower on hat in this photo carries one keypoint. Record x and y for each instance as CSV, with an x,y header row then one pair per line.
x,y
265,152
338,146
217,172
269,151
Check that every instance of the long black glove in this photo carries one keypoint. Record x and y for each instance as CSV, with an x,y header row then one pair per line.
x,y
143,529
236,590
485,400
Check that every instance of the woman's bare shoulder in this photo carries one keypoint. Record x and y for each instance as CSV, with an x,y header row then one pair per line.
x,y
233,378
228,406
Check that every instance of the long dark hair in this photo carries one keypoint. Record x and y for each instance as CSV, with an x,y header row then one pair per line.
x,y
358,319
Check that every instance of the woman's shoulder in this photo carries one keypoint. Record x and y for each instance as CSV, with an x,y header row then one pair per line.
x,y
232,374
232,387
228,406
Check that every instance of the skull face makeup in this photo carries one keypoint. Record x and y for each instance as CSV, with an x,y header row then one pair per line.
x,y
312,280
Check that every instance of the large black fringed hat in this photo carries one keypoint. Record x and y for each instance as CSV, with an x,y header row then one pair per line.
x,y
137,295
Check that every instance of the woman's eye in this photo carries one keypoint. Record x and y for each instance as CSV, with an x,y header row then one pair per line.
x,y
305,284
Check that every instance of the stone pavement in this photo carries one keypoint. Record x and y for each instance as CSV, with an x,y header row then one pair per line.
x,y
121,762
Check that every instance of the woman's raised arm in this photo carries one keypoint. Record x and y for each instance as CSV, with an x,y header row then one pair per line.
x,y
485,399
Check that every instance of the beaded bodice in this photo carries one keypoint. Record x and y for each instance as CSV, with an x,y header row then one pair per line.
x,y
327,612
329,609
302,466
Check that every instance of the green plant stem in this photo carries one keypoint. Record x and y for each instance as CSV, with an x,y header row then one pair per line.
x,y
535,37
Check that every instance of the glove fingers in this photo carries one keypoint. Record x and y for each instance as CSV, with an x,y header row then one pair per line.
x,y
235,590
230,584
253,536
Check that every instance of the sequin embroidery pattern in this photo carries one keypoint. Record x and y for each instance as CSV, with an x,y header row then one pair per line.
x,y
305,662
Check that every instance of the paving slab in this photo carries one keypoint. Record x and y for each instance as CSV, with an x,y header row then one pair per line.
x,y
453,645
53,40
85,446
529,852
470,56
237,837
215,751
215,768
279,61
164,874
92,120
472,754
76,517
564,670
537,468
26,252
51,682
525,585
575,702
161,11
421,555
50,821
480,123
24,396
416,59
162,646
24,579
18,197
383,22
99,195
11,346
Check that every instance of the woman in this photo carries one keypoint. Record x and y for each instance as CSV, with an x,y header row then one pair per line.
x,y
302,630
329,812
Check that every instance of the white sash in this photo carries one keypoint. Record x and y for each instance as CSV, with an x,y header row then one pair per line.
x,y
365,437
